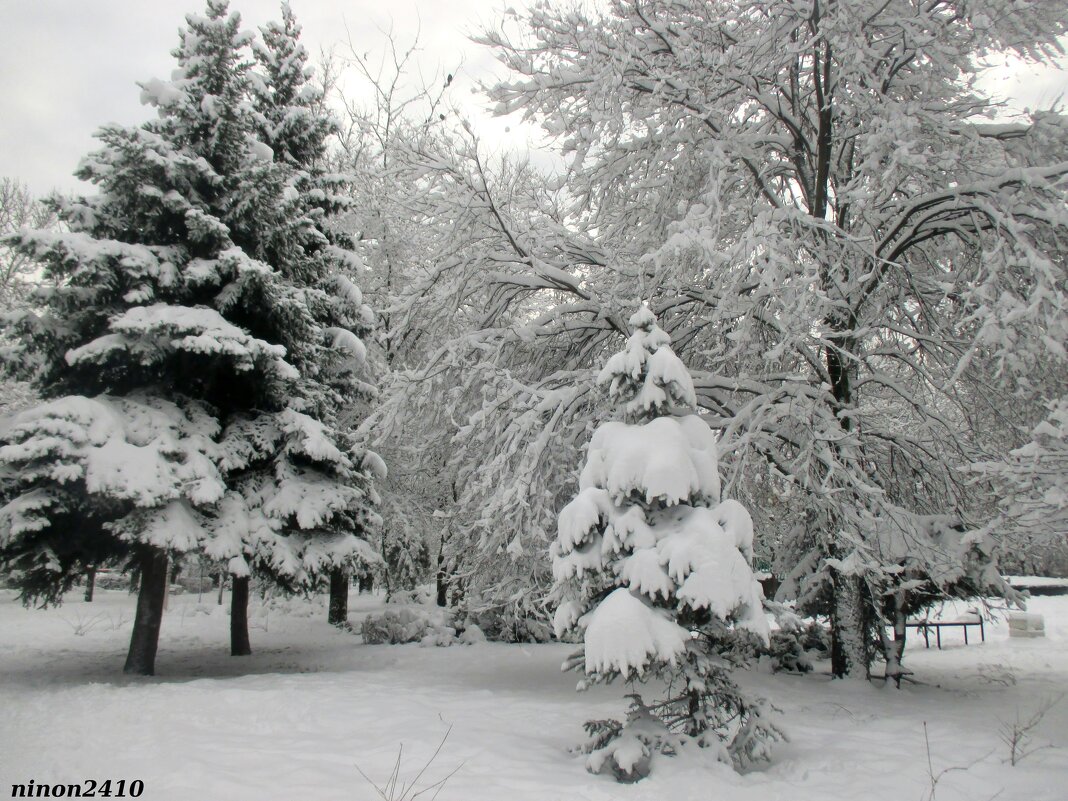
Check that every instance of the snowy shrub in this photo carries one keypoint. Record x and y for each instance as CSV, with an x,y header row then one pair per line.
x,y
444,635
197,584
626,749
522,624
472,634
288,605
796,641
786,652
653,570
110,580
420,595
816,637
394,626
441,636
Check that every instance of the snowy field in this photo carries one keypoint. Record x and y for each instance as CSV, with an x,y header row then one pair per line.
x,y
314,706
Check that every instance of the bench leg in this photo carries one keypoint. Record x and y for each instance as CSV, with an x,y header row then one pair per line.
x,y
965,635
938,634
982,631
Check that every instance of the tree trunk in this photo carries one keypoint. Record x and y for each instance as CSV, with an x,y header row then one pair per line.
x,y
893,650
839,665
850,647
443,585
239,642
338,613
850,643
443,573
222,586
90,583
141,659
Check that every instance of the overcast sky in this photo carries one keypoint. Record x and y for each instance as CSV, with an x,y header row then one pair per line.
x,y
69,66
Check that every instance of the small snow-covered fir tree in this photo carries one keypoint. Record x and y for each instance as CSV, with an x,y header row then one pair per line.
x,y
197,347
652,570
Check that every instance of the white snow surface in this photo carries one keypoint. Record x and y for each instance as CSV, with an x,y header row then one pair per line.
x,y
1036,581
312,703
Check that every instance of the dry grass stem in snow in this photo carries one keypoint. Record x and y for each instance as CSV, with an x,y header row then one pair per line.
x,y
396,790
1017,734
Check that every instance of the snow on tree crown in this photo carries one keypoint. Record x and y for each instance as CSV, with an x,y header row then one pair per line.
x,y
647,376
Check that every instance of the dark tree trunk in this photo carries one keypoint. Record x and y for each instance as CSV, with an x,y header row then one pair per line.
x,y
442,577
141,659
839,662
90,583
239,642
338,613
839,666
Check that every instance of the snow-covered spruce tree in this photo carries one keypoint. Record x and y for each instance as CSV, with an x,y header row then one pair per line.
x,y
191,343
317,253
653,570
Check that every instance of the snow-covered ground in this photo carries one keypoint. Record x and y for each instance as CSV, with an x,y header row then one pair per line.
x,y
313,706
